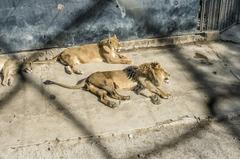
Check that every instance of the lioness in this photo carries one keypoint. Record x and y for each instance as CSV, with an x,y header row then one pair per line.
x,y
105,51
9,67
104,84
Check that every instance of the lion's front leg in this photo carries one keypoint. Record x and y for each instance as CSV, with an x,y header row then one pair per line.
x,y
140,90
163,94
117,60
151,87
155,99
124,59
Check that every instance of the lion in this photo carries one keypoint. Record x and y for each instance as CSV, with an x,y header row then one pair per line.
x,y
9,68
104,84
105,51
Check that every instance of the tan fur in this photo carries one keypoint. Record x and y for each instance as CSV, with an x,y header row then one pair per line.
x,y
9,68
104,51
104,84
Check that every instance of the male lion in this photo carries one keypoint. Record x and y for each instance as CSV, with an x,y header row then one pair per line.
x,y
104,84
105,51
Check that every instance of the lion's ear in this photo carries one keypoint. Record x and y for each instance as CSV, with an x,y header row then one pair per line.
x,y
115,36
106,48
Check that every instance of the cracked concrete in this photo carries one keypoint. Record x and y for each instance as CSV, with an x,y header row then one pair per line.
x,y
35,124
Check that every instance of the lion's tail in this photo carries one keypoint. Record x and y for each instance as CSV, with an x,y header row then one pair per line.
x,y
79,85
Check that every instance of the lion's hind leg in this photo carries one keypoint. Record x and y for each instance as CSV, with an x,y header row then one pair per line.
x,y
110,88
7,79
118,96
72,64
76,69
70,69
102,94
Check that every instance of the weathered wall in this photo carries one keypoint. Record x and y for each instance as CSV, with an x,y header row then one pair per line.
x,y
34,24
239,13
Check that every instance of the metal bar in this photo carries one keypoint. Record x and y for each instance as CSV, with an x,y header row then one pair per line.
x,y
216,14
205,14
209,17
237,12
214,11
234,13
212,14
230,13
202,20
227,13
221,15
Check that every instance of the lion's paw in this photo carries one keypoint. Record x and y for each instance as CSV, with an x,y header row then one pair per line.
x,y
155,99
126,98
167,96
112,104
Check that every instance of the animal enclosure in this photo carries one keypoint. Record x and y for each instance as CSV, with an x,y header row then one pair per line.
x,y
34,24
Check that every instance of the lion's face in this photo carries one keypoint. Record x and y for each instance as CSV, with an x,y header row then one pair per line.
x,y
112,42
27,67
158,74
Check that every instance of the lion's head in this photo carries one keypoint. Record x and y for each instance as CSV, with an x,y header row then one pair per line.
x,y
155,73
27,67
111,43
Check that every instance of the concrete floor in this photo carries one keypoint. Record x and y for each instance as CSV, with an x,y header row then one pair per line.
x,y
34,124
232,35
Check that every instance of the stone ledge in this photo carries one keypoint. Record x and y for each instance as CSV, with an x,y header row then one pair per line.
x,y
168,41
149,43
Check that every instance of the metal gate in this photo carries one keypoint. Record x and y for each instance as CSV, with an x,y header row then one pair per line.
x,y
218,14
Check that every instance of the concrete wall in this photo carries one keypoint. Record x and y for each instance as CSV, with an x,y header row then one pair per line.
x,y
35,24
239,14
